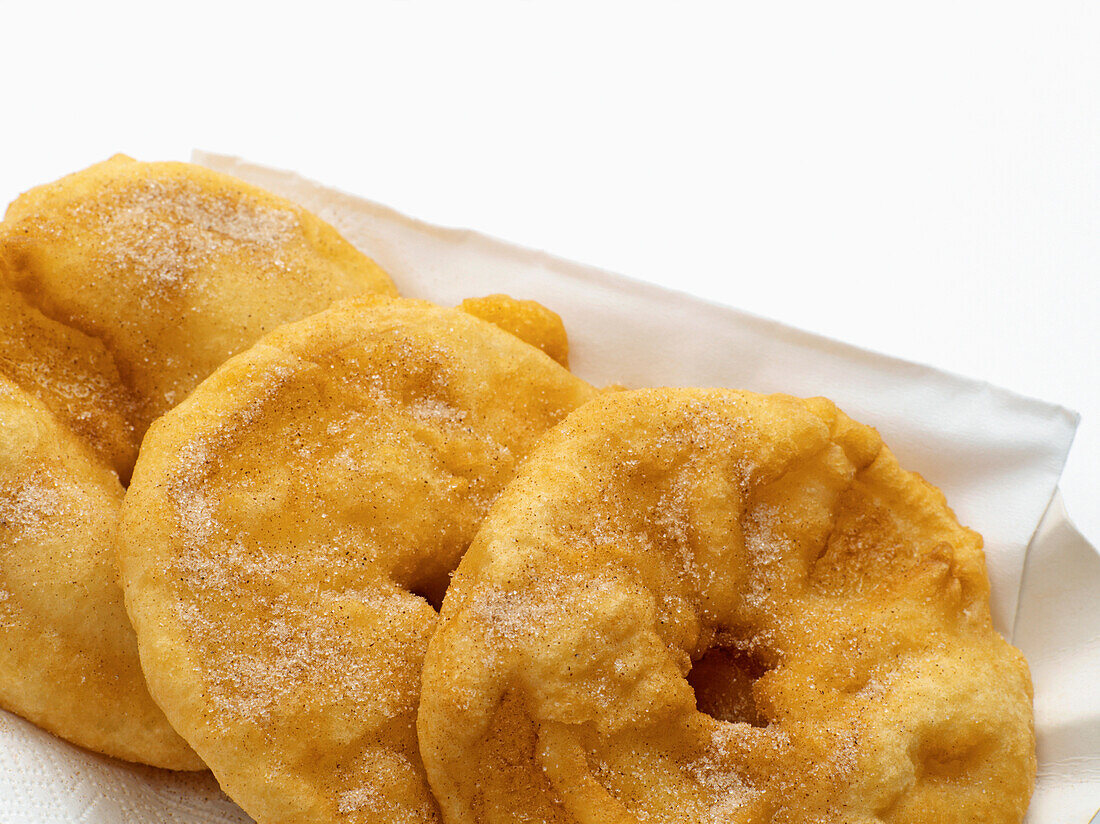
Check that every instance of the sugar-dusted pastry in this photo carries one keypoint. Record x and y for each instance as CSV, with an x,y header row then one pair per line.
x,y
290,526
121,287
173,267
68,657
701,606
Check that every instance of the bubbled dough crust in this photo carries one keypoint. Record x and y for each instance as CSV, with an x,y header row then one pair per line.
x,y
528,320
279,522
68,657
654,525
173,268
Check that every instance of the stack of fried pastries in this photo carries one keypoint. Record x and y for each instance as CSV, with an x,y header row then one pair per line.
x,y
121,288
385,561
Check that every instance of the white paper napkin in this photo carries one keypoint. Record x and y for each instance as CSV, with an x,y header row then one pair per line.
x,y
1058,629
996,455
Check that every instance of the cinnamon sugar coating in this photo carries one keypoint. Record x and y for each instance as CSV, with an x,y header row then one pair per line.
x,y
70,373
712,606
173,268
121,287
68,657
291,523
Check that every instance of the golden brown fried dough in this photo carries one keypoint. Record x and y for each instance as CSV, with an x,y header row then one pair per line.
x,y
174,267
713,606
528,320
121,287
72,374
68,657
289,526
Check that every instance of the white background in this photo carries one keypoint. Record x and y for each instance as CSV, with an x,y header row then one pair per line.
x,y
922,179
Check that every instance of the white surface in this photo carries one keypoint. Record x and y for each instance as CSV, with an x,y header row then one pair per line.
x,y
996,454
921,179
1058,630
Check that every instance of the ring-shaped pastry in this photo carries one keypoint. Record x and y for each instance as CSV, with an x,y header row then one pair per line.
x,y
291,524
714,606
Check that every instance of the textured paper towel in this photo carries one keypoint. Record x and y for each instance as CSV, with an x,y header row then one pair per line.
x,y
996,455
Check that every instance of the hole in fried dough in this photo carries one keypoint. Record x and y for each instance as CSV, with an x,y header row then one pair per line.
x,y
723,680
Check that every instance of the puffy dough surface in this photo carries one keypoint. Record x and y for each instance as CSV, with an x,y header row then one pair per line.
x,y
714,606
70,373
121,287
68,657
528,320
173,268
288,527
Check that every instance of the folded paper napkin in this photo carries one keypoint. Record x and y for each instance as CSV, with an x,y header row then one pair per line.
x,y
996,455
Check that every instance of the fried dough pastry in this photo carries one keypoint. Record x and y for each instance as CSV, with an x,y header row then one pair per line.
x,y
289,526
714,606
173,268
68,658
121,287
528,320
72,374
